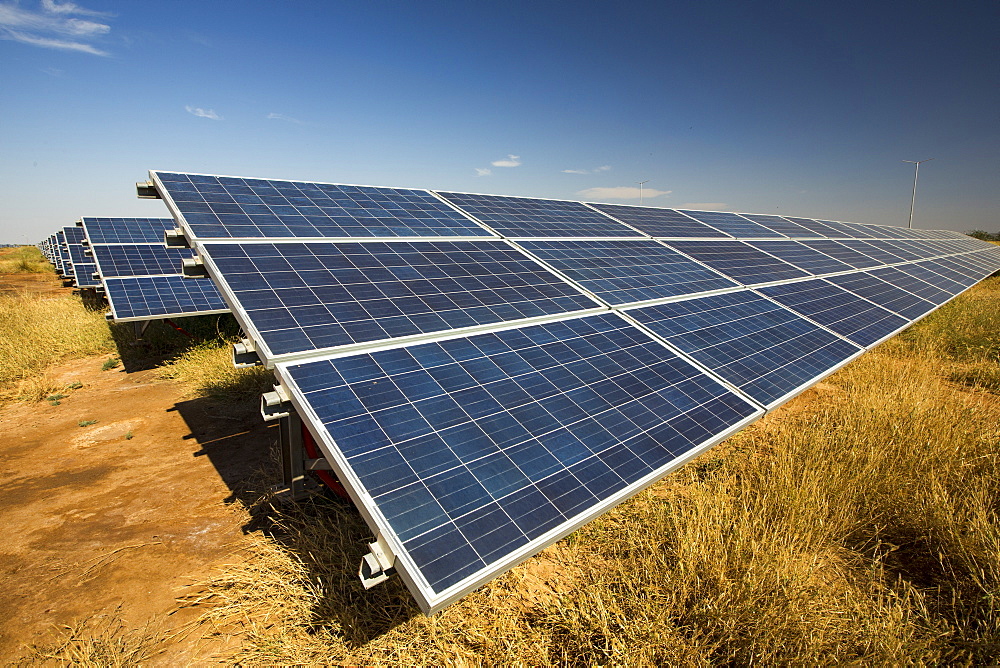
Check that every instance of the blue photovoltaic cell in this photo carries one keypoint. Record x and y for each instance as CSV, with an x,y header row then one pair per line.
x,y
739,261
76,255
876,249
139,259
874,231
852,317
665,223
127,230
841,251
960,265
144,297
781,225
802,256
527,217
759,346
308,296
229,207
911,284
930,272
733,224
74,234
884,294
842,229
626,271
83,273
902,249
474,447
950,270
816,226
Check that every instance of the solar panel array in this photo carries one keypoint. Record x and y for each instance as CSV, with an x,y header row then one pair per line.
x,y
485,374
141,276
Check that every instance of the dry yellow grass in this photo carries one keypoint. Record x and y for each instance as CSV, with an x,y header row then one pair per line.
x,y
207,369
860,528
24,259
37,331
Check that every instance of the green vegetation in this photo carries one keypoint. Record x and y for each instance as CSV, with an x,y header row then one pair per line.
x,y
111,363
858,524
86,423
984,235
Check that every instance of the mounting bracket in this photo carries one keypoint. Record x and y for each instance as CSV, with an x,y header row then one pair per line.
x,y
245,354
377,565
146,190
175,238
193,267
275,405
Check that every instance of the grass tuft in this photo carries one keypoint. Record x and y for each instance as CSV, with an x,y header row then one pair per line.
x,y
98,642
36,332
111,363
207,368
86,423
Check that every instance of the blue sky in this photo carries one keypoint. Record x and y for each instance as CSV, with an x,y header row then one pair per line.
x,y
802,108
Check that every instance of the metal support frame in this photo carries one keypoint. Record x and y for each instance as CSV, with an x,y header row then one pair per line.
x,y
140,327
292,456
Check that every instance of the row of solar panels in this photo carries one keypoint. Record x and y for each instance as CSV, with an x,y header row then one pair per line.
x,y
485,374
127,260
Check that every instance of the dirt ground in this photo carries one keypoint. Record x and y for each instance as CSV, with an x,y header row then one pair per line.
x,y
116,517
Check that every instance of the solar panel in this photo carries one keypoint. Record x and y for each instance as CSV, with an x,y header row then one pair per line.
x,y
876,249
841,251
230,207
299,297
911,284
817,226
874,231
738,261
764,349
126,230
83,274
802,256
475,452
476,397
139,259
528,217
842,229
845,313
732,224
931,272
781,225
884,294
624,271
151,297
664,223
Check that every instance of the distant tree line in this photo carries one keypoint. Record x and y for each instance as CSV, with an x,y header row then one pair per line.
x,y
984,235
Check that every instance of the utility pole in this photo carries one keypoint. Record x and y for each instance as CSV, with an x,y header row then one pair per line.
x,y
640,190
913,197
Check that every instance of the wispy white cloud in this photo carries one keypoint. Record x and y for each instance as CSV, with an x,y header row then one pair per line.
x,y
704,206
483,171
53,26
621,192
511,161
53,7
282,117
203,113
595,170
